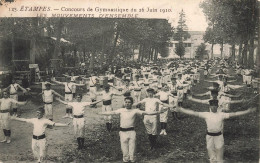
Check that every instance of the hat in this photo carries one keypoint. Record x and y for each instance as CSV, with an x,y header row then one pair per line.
x,y
127,93
213,102
180,87
150,90
48,83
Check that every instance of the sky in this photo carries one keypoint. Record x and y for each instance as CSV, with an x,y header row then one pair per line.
x,y
195,18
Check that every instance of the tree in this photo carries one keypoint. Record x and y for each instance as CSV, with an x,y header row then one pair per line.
x,y
201,51
234,23
181,34
180,49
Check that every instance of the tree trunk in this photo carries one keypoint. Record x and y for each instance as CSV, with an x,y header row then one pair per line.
x,y
244,53
103,48
114,49
143,53
91,64
32,50
156,54
240,52
221,49
152,54
233,51
140,52
212,48
149,54
75,56
13,46
84,53
251,53
55,62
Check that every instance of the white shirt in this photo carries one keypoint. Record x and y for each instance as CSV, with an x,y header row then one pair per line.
x,y
127,117
164,96
92,80
39,125
14,88
214,121
78,107
6,103
69,86
137,84
44,85
47,96
150,103
107,95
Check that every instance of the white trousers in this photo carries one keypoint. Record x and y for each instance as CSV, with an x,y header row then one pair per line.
x,y
5,120
48,111
127,140
39,148
79,127
215,147
107,118
92,92
137,96
15,97
150,123
164,115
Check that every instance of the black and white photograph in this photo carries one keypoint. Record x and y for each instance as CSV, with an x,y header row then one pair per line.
x,y
129,81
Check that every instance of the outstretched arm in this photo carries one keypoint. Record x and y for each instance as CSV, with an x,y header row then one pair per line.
x,y
57,94
229,95
18,103
239,113
117,94
109,113
202,94
93,103
64,102
186,111
153,112
235,86
4,89
236,101
198,100
20,119
24,90
61,124
79,84
58,82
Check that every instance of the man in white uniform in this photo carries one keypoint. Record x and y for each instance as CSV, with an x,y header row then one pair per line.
x,y
164,97
5,107
47,96
150,121
13,88
214,121
68,94
39,141
79,120
137,85
107,105
93,80
127,123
